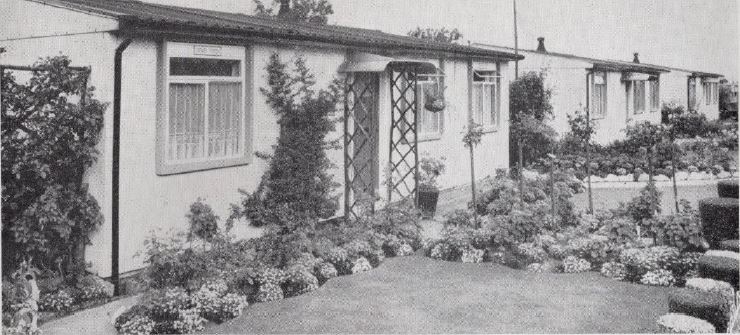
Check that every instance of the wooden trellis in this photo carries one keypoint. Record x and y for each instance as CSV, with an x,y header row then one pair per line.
x,y
360,143
403,155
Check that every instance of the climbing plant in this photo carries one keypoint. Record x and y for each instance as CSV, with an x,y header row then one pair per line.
x,y
49,134
298,178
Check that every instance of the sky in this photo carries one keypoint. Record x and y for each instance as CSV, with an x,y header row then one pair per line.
x,y
700,35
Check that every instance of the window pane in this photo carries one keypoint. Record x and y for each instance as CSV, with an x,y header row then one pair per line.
x,y
180,66
186,121
639,96
654,95
224,119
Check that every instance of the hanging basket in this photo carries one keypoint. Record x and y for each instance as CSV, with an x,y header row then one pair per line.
x,y
435,104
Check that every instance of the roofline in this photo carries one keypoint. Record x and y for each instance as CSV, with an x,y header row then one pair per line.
x,y
134,26
694,73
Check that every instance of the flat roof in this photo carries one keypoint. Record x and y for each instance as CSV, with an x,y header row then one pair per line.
x,y
144,19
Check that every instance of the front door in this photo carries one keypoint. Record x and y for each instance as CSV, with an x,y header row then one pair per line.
x,y
361,143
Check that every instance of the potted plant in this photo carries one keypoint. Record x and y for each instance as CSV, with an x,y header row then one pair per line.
x,y
431,169
434,100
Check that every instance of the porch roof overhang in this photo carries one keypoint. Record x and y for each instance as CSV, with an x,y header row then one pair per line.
x,y
631,69
367,62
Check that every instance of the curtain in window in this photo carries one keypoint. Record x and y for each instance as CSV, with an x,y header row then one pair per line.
x,y
484,104
654,95
224,119
429,122
186,121
599,103
639,96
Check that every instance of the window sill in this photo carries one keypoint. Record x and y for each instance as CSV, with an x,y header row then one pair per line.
x,y
165,169
487,129
429,137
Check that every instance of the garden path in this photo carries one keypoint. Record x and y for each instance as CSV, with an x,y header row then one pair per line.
x,y
417,294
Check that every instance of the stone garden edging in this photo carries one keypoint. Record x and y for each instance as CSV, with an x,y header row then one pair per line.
x,y
684,179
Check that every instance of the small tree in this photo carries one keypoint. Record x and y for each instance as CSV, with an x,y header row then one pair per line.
x,y
313,11
647,135
298,178
471,139
436,34
670,134
582,130
48,142
529,108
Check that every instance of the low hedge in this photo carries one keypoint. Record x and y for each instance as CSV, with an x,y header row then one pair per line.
x,y
731,245
719,217
727,188
719,268
709,306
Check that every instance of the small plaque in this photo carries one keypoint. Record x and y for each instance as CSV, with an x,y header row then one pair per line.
x,y
207,50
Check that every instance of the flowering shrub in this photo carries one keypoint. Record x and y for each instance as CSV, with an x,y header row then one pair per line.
x,y
360,265
269,276
92,290
305,260
724,253
614,270
135,321
325,271
60,301
641,260
166,304
472,255
269,292
530,253
442,251
339,257
300,281
557,251
572,264
682,323
188,321
658,278
684,263
222,308
593,248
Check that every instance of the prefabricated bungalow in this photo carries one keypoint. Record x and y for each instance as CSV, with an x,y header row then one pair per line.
x,y
186,115
617,92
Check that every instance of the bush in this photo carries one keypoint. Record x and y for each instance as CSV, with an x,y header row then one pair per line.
x,y
572,264
325,271
658,278
530,253
730,245
203,222
727,188
682,230
708,306
620,230
684,264
719,218
188,321
681,323
360,265
166,304
136,320
48,143
642,260
711,285
593,248
340,259
272,276
614,270
299,281
60,301
521,225
719,268
269,292
472,255
217,307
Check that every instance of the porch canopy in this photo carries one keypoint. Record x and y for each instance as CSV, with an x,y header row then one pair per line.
x,y
630,71
367,62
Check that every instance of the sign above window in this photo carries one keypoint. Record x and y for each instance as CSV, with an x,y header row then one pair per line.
x,y
207,50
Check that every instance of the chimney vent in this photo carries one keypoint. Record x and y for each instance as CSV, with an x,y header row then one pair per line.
x,y
637,58
541,44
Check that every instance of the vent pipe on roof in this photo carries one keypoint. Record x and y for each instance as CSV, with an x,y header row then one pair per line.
x,y
637,58
541,44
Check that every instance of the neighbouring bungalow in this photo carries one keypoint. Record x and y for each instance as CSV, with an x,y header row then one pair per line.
x,y
186,114
617,93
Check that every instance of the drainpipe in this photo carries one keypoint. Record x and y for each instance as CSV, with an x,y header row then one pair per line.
x,y
588,144
117,69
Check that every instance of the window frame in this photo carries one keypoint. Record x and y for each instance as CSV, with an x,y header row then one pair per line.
x,y
193,49
495,96
427,79
604,86
644,99
653,85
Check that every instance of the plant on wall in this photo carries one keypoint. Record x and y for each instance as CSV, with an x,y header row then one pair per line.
x,y
313,11
48,142
298,178
436,34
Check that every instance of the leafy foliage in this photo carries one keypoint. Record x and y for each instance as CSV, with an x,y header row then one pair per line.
x,y
297,181
203,222
312,11
436,34
529,108
48,142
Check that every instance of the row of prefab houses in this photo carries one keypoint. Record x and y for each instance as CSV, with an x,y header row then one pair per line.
x,y
186,114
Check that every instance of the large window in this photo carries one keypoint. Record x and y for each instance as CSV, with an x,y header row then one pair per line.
x,y
598,95
711,92
487,98
204,123
430,123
